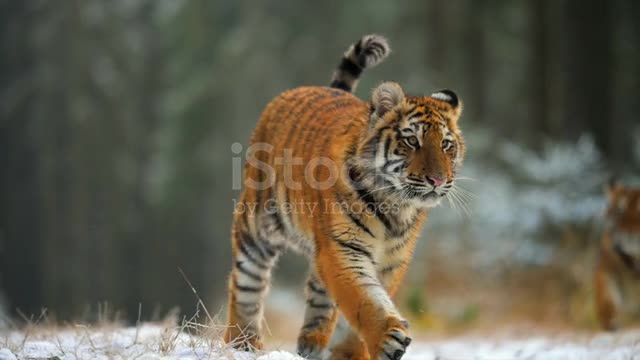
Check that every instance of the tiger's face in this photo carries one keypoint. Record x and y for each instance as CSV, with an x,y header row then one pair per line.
x,y
623,211
414,147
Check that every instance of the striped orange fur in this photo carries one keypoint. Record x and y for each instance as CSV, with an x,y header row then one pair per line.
x,y
618,269
349,184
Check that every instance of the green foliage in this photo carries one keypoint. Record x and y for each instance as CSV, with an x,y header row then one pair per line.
x,y
416,302
469,314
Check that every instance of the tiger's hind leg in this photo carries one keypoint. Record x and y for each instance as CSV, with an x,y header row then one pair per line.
x,y
607,296
319,320
253,260
607,299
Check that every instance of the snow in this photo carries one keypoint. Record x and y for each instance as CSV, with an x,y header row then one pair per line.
x,y
150,342
598,347
6,354
156,342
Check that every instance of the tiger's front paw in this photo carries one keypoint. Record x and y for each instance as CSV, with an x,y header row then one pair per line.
x,y
312,345
395,341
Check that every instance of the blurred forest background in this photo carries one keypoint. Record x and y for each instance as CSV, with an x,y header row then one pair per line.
x,y
117,119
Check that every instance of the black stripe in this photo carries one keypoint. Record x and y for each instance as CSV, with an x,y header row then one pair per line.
x,y
247,272
252,243
389,356
271,250
348,66
313,287
277,220
415,111
357,49
390,268
402,243
359,223
394,337
314,322
365,196
387,145
376,46
393,162
301,103
353,267
362,274
356,247
253,289
315,305
398,231
243,249
370,203
341,84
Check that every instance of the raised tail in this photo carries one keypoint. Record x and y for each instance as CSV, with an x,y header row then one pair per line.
x,y
369,51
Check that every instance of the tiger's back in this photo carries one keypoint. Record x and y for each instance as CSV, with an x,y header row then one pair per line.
x,y
297,128
311,122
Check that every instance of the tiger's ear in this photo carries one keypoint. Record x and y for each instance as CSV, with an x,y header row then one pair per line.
x,y
385,97
451,98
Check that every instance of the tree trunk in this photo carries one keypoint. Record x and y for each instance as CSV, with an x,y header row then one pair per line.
x,y
588,82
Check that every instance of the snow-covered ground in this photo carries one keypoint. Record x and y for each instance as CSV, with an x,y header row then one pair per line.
x,y
153,341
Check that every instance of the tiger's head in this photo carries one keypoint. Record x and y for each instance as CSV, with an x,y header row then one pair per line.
x,y
623,211
413,147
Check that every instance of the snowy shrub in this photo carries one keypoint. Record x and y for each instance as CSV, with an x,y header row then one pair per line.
x,y
518,194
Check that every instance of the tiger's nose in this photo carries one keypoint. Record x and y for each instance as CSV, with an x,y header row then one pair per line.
x,y
435,181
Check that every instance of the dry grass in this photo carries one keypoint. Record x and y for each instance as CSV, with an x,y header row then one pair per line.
x,y
172,337
199,336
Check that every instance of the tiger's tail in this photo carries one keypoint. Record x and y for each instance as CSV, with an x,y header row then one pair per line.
x,y
368,52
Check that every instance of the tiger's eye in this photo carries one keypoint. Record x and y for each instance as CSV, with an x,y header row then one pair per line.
x,y
412,141
446,144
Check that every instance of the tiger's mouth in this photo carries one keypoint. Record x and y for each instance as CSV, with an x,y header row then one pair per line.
x,y
420,194
425,196
424,192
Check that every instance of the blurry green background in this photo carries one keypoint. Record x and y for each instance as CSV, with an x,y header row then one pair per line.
x,y
117,119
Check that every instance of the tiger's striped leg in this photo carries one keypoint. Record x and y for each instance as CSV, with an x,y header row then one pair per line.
x,y
608,297
319,320
349,344
346,267
253,261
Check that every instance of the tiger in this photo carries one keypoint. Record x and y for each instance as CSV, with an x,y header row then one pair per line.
x,y
617,271
349,184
